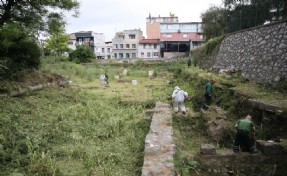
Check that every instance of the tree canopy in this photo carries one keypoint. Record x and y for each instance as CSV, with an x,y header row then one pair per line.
x,y
241,14
34,14
214,22
82,54
18,51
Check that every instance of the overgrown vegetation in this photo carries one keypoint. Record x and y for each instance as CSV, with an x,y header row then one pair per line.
x,y
86,130
190,131
205,55
82,54
18,51
90,129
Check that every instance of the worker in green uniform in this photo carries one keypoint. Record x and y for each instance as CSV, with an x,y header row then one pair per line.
x,y
208,93
189,62
244,135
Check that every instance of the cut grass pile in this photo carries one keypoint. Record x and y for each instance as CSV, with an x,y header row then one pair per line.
x,y
71,132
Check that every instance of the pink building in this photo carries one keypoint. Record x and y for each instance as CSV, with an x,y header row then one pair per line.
x,y
174,36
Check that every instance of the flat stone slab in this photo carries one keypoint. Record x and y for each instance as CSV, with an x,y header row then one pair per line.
x,y
159,145
269,147
207,149
225,152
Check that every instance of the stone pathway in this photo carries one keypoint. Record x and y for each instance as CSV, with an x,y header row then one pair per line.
x,y
159,145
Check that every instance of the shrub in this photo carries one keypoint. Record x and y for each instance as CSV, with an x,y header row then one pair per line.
x,y
82,54
18,51
205,55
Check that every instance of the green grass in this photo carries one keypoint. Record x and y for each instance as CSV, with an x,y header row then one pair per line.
x,y
72,132
86,129
90,129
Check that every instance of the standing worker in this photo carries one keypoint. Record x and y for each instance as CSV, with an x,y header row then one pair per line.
x,y
189,62
208,93
107,78
244,135
179,96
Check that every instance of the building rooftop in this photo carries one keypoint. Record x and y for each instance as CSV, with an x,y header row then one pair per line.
x,y
149,41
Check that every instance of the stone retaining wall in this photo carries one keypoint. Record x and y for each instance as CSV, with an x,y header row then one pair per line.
x,y
259,53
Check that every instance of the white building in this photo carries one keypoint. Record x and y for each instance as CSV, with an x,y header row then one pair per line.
x,y
149,49
125,44
104,51
96,41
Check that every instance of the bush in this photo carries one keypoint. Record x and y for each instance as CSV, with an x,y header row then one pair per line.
x,y
82,54
18,51
204,56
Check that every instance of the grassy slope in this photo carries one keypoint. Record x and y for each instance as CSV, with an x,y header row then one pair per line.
x,y
97,130
91,130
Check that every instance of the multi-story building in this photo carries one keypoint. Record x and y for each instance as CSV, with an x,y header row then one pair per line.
x,y
96,41
149,49
174,36
104,51
153,25
125,44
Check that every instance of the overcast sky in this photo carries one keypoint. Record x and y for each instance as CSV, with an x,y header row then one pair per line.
x,y
111,16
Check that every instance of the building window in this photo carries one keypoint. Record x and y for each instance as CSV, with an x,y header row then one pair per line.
x,y
115,55
155,54
132,36
142,54
133,45
144,46
70,43
167,35
116,45
185,35
155,46
121,36
134,55
91,43
103,50
121,45
148,54
109,50
121,55
127,55
127,45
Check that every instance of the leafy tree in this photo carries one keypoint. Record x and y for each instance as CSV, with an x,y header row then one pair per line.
x,y
33,14
231,4
82,54
57,43
261,8
18,51
18,19
215,21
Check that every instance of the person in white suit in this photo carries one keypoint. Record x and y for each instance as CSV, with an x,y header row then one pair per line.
x,y
179,96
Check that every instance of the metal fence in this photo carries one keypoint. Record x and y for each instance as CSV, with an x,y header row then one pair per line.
x,y
258,14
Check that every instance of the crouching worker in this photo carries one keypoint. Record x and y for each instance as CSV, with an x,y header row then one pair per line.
x,y
179,96
244,135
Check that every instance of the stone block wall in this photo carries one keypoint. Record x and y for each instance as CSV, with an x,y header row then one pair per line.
x,y
259,53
